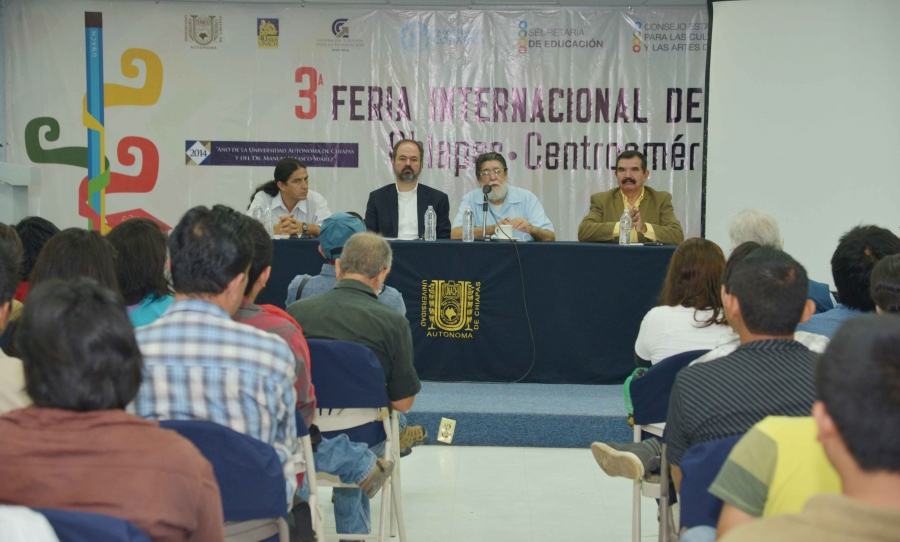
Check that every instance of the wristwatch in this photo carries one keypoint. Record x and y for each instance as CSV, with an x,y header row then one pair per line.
x,y
304,228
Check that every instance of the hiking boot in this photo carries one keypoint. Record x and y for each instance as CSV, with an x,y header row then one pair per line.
x,y
410,437
377,477
627,460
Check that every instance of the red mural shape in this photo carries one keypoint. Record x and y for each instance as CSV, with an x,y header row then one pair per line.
x,y
120,183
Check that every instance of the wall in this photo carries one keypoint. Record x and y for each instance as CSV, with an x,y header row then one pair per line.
x,y
803,119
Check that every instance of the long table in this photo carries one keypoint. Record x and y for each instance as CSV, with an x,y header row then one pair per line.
x,y
474,307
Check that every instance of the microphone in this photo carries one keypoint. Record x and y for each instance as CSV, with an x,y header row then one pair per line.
x,y
486,189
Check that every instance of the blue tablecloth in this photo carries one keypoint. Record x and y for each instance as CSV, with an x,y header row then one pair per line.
x,y
467,312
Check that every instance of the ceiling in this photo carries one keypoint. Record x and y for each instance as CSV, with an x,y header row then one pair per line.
x,y
431,4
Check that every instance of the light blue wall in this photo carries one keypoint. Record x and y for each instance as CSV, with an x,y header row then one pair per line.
x,y
6,211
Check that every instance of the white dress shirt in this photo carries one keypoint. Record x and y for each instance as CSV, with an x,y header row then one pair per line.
x,y
407,213
312,210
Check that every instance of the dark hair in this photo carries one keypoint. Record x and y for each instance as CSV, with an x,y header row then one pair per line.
x,y
34,232
885,284
857,378
75,252
10,261
771,288
263,251
78,348
693,278
141,259
851,265
283,171
627,155
414,142
487,157
208,249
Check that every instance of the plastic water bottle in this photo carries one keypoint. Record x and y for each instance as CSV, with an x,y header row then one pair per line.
x,y
468,225
267,221
430,224
625,228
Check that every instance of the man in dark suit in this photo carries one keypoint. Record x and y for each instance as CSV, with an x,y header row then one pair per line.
x,y
398,209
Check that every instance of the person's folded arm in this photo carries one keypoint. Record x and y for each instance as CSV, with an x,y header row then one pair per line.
x,y
595,227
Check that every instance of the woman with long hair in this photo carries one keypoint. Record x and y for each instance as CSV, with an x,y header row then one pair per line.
x,y
690,314
141,269
295,208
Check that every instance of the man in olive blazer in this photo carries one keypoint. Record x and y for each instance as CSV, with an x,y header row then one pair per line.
x,y
652,214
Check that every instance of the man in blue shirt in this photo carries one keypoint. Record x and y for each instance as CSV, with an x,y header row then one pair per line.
x,y
333,235
509,204
851,268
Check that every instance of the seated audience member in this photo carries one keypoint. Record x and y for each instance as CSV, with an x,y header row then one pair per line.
x,y
774,469
34,232
851,265
354,463
12,375
201,365
77,448
351,312
689,315
141,269
761,227
857,413
769,374
730,343
73,253
9,236
274,320
333,235
885,287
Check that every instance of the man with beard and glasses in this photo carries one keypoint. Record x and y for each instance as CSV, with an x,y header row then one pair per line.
x,y
509,204
398,210
652,214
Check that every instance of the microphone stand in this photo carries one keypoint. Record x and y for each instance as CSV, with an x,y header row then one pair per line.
x,y
484,236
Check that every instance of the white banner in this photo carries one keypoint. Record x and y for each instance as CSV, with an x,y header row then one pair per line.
x,y
193,103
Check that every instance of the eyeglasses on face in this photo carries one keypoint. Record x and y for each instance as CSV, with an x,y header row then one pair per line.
x,y
488,172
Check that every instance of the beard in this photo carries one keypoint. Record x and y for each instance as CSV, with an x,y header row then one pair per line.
x,y
498,192
407,175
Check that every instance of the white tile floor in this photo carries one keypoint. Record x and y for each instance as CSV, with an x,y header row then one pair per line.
x,y
473,494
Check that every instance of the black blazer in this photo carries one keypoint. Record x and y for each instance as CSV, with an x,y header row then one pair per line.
x,y
382,214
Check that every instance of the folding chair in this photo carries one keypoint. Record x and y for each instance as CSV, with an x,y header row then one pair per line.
x,y
71,526
250,477
650,398
305,464
352,400
699,467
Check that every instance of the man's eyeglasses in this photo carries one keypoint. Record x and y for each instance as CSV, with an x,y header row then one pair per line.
x,y
488,172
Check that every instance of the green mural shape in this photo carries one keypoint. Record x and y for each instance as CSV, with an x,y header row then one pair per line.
x,y
70,156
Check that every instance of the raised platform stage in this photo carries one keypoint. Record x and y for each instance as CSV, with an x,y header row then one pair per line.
x,y
531,415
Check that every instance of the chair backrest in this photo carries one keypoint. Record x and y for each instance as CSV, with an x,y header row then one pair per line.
x,y
650,393
71,526
346,375
699,467
249,473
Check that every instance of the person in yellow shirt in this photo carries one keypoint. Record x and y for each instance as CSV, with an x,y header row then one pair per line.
x,y
774,469
856,416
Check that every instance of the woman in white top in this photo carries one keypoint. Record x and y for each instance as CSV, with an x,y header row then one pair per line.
x,y
295,208
689,315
